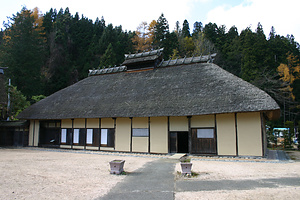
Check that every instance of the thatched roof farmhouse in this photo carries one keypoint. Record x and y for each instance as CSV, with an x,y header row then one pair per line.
x,y
150,105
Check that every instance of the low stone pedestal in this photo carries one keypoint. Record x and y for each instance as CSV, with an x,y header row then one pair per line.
x,y
116,166
186,168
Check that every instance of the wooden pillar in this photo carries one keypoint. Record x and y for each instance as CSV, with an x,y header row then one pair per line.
x,y
169,137
85,134
216,135
190,134
236,136
130,134
33,133
263,134
149,134
99,134
72,134
115,124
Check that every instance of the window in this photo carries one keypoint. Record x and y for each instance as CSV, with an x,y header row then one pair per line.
x,y
89,136
205,133
76,136
140,132
92,137
108,137
63,135
66,136
79,136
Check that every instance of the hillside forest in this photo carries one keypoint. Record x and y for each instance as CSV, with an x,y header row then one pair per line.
x,y
44,53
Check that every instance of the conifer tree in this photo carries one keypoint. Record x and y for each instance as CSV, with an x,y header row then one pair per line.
x,y
22,52
160,31
185,29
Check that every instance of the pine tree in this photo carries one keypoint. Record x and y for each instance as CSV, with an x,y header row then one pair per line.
x,y
197,28
186,29
160,31
109,57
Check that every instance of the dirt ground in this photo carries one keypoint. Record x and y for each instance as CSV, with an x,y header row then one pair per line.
x,y
39,174
220,170
35,174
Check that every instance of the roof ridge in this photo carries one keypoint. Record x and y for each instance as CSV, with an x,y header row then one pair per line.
x,y
164,63
144,54
183,61
108,70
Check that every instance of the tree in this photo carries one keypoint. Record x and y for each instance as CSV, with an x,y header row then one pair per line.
x,y
255,53
109,57
140,38
203,46
161,30
18,102
186,29
188,46
169,44
289,73
151,33
37,98
177,28
58,71
144,36
210,31
288,135
23,51
272,33
197,28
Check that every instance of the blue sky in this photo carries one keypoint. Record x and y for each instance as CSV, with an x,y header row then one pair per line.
x,y
283,15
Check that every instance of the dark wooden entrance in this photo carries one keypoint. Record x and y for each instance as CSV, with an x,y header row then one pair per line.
x,y
179,142
49,134
204,141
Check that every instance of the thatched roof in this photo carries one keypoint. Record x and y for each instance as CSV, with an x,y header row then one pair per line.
x,y
180,90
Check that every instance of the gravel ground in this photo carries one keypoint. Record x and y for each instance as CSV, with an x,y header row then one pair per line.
x,y
34,174
238,170
31,173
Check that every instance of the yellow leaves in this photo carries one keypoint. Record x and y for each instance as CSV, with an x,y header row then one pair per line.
x,y
144,36
6,35
188,45
175,54
297,69
289,73
38,19
284,72
151,29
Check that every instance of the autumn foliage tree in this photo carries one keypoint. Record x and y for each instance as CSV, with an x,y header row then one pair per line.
x,y
289,73
144,36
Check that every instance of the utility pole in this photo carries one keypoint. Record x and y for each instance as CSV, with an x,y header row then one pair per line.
x,y
8,99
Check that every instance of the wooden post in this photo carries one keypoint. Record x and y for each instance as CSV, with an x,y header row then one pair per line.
x,y
190,134
130,134
236,135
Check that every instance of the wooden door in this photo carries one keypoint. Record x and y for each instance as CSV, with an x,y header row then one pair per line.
x,y
204,141
173,142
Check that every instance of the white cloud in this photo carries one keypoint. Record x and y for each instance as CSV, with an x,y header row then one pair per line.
x,y
283,15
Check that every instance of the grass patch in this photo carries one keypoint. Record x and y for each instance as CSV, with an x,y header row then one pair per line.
x,y
193,175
